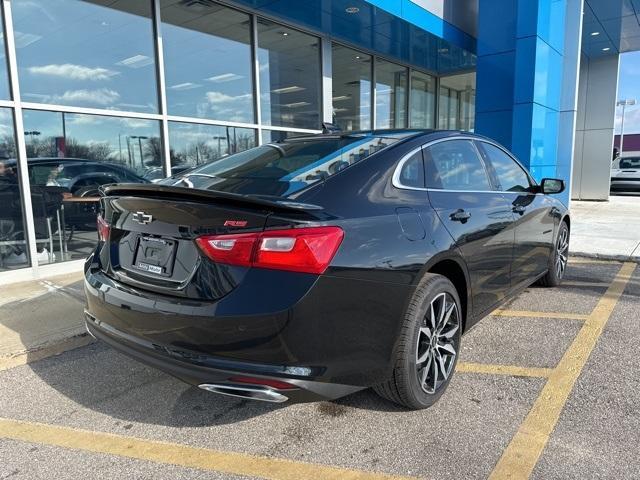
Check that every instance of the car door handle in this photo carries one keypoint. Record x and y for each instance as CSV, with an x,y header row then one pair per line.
x,y
519,209
460,216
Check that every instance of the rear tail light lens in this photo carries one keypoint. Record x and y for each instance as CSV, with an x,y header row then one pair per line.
x,y
103,229
308,250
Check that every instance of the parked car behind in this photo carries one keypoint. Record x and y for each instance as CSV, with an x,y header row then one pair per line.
x,y
80,178
625,174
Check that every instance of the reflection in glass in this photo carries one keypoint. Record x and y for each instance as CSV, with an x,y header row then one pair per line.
x,y
269,136
457,102
195,144
351,88
14,252
391,95
70,156
289,76
422,111
86,54
207,57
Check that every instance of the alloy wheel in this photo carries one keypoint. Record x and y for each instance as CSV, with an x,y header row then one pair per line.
x,y
562,253
436,349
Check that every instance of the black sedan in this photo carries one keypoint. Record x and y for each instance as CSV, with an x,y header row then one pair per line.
x,y
318,266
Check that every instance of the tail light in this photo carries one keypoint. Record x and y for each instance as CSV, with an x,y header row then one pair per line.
x,y
308,250
103,229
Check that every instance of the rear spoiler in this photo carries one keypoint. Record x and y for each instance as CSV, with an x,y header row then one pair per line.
x,y
182,193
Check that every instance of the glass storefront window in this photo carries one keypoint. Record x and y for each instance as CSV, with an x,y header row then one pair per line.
x,y
14,252
422,111
351,88
391,95
457,102
86,54
194,144
207,58
289,76
4,75
69,156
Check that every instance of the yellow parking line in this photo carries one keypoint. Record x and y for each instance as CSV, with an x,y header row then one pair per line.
x,y
49,351
181,455
521,456
513,370
531,314
576,283
590,261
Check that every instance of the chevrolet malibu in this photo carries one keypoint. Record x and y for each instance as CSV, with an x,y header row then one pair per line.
x,y
318,266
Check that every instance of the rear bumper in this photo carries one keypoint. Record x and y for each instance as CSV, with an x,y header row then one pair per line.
x,y
336,337
630,184
208,371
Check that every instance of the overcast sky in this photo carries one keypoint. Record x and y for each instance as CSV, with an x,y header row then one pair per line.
x,y
629,87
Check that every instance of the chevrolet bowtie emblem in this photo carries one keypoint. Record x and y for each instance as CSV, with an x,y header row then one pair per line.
x,y
142,218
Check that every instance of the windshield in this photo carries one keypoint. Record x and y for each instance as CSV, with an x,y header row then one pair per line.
x,y
284,168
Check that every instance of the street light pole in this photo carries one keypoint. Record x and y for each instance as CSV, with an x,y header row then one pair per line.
x,y
623,104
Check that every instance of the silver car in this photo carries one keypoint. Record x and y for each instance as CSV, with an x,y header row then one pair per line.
x,y
625,174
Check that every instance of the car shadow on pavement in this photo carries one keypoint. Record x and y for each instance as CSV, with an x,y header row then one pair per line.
x,y
105,381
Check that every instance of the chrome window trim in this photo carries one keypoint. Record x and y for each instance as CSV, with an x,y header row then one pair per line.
x,y
395,179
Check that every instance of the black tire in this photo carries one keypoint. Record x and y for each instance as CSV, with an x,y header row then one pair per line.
x,y
557,259
405,387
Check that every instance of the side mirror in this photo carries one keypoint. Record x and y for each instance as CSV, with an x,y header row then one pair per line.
x,y
550,186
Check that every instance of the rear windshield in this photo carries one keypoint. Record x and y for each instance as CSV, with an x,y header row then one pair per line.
x,y
630,162
284,168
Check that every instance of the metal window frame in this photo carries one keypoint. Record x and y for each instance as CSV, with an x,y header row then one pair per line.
x,y
21,146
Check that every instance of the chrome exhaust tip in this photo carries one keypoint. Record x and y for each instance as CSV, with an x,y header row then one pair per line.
x,y
249,392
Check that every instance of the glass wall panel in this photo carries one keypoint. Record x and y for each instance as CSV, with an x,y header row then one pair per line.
x,y
457,102
14,252
207,57
290,82
4,76
351,88
86,54
194,144
269,136
69,157
391,95
422,111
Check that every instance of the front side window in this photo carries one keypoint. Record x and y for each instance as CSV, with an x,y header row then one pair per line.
x,y
86,54
509,175
455,165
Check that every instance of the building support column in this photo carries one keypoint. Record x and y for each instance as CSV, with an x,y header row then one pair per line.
x,y
526,80
595,128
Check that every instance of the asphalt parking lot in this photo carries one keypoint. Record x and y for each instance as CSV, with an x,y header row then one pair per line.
x,y
547,388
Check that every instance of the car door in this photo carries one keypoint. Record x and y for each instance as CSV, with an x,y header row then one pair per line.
x,y
478,218
533,214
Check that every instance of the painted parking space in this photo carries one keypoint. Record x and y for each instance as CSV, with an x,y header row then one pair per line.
x,y
520,382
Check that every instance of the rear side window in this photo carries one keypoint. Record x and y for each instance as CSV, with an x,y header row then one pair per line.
x,y
412,173
509,175
455,165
